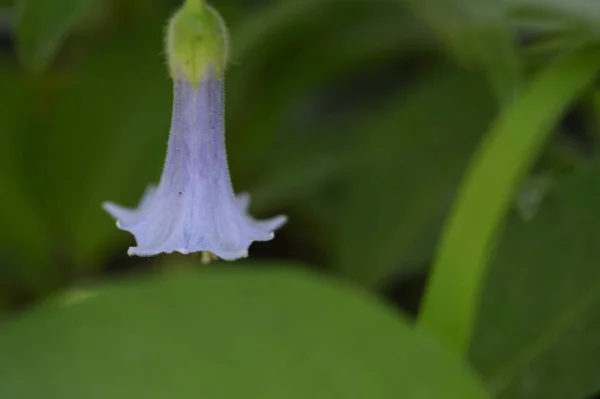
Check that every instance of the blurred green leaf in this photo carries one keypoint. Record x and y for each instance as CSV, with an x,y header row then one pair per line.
x,y
505,157
478,33
413,154
558,15
539,322
552,27
224,334
42,26
594,106
99,134
26,254
13,205
282,54
301,167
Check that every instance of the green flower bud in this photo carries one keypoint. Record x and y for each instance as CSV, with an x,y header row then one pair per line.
x,y
197,40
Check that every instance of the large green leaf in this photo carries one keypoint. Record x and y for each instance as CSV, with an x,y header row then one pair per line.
x,y
414,153
42,25
539,324
224,334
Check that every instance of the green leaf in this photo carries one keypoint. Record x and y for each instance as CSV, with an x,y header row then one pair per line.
x,y
539,323
556,26
225,333
274,65
99,135
289,177
557,15
23,233
15,209
477,33
505,157
42,26
413,153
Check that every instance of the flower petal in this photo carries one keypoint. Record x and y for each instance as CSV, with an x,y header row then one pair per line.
x,y
193,208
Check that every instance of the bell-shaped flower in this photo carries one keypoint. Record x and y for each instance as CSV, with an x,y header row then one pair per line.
x,y
193,208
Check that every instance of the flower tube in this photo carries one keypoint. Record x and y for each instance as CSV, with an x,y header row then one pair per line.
x,y
194,208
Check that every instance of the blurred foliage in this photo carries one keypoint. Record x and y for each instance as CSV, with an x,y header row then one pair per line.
x,y
502,162
359,120
42,25
200,351
537,335
399,229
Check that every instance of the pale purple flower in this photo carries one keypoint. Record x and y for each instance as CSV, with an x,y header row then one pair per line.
x,y
193,208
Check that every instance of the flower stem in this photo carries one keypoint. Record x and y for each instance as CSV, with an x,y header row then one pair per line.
x,y
508,152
